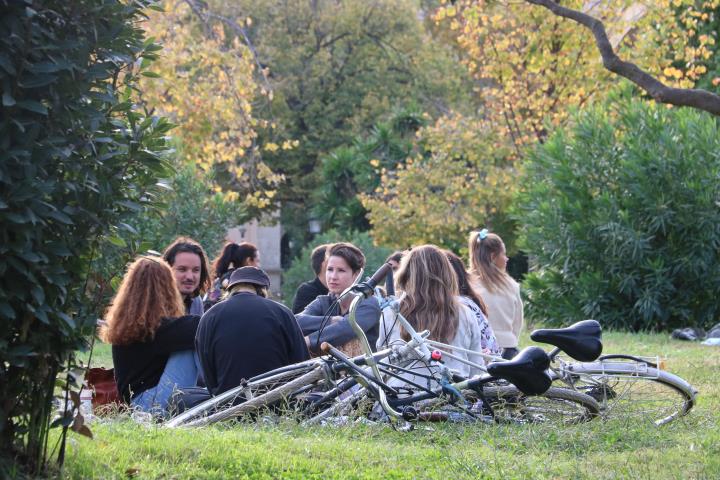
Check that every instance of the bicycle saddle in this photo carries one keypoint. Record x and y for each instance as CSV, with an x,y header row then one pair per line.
x,y
527,371
581,340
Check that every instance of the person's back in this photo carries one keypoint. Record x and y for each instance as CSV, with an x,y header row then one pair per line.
x,y
244,336
468,336
430,302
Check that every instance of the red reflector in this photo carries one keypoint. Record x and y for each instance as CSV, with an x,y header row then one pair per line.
x,y
436,355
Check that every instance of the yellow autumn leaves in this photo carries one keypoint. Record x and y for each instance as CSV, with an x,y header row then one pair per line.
x,y
206,86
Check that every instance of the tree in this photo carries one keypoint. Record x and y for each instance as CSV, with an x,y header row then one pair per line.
x,y
350,171
206,84
538,65
336,69
459,179
77,158
621,216
191,207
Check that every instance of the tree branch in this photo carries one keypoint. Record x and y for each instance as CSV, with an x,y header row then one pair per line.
x,y
682,97
201,10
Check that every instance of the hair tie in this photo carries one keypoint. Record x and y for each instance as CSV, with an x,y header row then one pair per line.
x,y
482,235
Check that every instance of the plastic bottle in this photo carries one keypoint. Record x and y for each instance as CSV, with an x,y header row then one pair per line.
x,y
86,404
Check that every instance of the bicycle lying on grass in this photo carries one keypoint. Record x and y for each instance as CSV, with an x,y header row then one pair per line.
x,y
624,386
328,385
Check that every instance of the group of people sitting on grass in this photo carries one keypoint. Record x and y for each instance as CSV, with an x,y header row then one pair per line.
x,y
179,336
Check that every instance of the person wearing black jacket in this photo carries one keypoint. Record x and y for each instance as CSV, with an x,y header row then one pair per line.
x,y
309,291
326,320
152,341
247,334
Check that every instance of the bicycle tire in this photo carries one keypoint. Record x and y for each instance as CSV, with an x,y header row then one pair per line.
x,y
561,406
631,389
265,391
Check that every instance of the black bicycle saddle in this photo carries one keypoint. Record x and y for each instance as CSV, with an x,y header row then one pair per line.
x,y
527,371
581,340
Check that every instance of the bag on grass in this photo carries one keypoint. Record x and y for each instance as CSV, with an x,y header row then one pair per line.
x,y
102,383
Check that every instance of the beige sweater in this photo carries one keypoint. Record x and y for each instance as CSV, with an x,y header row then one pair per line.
x,y
505,313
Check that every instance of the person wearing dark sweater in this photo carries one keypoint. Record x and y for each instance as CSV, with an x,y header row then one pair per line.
x,y
324,320
247,334
152,340
309,291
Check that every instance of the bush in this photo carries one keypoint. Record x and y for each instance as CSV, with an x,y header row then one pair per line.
x,y
622,216
301,270
76,160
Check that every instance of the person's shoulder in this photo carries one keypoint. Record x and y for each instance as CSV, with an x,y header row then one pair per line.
x,y
276,305
323,299
171,322
466,314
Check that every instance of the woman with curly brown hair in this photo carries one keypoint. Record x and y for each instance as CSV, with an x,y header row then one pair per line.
x,y
152,340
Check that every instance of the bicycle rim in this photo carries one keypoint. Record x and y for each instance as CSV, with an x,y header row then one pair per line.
x,y
560,406
630,390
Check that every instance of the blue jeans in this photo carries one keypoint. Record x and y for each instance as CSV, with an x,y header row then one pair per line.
x,y
181,370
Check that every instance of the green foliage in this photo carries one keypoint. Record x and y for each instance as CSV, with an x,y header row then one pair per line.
x,y
349,171
459,178
76,159
192,209
301,270
621,216
187,206
336,69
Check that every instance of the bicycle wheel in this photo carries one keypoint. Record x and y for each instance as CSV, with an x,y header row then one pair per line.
x,y
561,406
631,389
262,391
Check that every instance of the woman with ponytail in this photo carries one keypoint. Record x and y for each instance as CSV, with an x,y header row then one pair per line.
x,y
488,263
233,255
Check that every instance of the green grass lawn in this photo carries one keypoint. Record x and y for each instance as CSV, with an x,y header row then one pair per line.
x,y
687,448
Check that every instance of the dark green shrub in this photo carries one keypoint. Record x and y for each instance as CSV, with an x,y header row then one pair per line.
x,y
621,214
76,159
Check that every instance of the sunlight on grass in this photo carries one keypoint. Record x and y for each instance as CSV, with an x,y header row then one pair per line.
x,y
686,448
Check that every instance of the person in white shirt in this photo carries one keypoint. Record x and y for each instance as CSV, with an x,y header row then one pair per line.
x,y
488,263
431,302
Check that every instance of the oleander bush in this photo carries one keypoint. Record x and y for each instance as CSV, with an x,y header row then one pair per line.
x,y
621,214
76,158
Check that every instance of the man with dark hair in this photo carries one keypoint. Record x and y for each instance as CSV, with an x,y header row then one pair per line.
x,y
190,268
309,291
247,334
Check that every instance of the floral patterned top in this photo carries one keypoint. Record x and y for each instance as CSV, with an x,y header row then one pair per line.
x,y
487,337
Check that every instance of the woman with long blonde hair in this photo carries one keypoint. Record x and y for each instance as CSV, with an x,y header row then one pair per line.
x,y
488,263
431,302
152,340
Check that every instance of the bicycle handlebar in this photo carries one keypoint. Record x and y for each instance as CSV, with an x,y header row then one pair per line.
x,y
380,274
367,287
